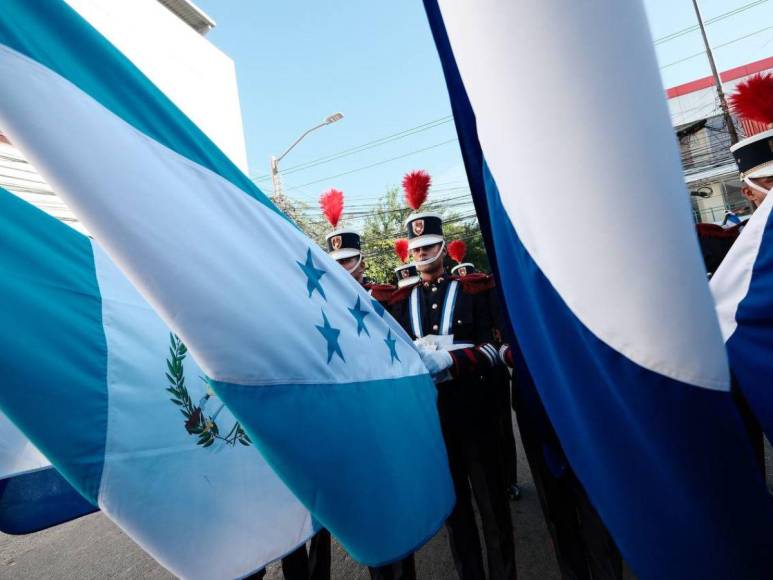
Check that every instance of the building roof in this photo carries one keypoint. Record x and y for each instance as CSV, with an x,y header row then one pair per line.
x,y
698,99
191,14
738,72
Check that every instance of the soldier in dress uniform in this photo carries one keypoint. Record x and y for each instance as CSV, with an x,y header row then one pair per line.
x,y
753,103
455,330
344,246
457,250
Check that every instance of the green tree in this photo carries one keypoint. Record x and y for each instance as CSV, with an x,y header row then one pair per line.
x,y
295,210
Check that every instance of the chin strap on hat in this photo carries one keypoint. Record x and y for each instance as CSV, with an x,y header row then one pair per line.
x,y
356,265
758,188
431,260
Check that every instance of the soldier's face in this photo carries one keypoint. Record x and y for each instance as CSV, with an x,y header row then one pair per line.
x,y
427,253
348,263
755,196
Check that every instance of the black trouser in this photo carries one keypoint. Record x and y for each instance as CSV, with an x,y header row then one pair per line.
x,y
300,565
508,452
466,409
404,569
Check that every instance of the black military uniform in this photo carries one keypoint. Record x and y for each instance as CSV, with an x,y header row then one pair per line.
x,y
467,405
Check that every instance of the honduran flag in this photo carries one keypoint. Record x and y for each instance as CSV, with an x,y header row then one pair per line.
x,y
742,288
33,495
96,382
324,382
569,152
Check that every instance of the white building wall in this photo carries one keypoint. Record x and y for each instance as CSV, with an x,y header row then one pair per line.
x,y
197,76
190,70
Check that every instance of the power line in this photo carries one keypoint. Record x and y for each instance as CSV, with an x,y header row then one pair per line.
x,y
360,149
365,146
436,145
695,27
701,53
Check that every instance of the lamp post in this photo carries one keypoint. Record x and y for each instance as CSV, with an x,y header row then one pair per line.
x,y
275,179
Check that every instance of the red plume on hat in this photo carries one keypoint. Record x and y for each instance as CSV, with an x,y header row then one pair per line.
x,y
456,250
416,185
401,249
332,204
753,99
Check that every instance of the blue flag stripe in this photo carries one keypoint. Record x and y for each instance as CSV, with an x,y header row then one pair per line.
x,y
39,500
294,437
53,309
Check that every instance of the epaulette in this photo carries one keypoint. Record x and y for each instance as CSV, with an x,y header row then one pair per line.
x,y
476,283
381,292
402,293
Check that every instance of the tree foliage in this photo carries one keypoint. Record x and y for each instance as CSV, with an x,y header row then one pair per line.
x,y
295,209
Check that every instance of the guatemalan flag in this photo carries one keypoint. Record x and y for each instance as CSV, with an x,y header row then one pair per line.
x,y
326,385
96,381
33,495
569,152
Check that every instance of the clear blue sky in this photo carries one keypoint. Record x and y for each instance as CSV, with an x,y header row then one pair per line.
x,y
298,61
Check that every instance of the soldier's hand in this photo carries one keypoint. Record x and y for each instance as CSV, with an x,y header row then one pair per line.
x,y
436,361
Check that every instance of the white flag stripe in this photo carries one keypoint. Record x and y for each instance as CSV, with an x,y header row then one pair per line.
x,y
730,283
17,454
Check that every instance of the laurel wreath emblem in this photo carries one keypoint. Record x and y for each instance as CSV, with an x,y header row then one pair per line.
x,y
197,422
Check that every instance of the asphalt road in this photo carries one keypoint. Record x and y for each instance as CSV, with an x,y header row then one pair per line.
x,y
93,547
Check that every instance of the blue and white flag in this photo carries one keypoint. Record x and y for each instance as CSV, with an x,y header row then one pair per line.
x,y
743,292
33,496
101,387
569,149
328,387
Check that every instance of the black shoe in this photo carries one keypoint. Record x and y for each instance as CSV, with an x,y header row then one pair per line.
x,y
514,492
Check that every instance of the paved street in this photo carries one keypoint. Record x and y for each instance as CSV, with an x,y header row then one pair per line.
x,y
93,547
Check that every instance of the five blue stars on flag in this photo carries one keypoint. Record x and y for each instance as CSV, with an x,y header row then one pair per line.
x,y
331,335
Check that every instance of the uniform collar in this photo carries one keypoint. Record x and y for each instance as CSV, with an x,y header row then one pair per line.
x,y
443,278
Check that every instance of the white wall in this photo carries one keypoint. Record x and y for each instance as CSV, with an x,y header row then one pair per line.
x,y
199,78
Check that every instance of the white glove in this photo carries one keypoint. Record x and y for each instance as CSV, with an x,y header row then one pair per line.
x,y
424,344
436,361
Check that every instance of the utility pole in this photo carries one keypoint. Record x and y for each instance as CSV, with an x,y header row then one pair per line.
x,y
276,180
717,81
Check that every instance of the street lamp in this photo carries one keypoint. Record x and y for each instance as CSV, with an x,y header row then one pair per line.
x,y
275,180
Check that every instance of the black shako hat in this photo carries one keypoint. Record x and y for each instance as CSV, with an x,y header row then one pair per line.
x,y
753,103
422,229
341,244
